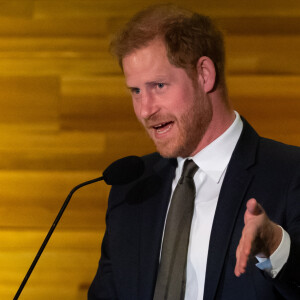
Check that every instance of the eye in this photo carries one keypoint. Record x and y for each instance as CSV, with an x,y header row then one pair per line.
x,y
160,85
135,91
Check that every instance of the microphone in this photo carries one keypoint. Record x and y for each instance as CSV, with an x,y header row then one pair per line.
x,y
124,170
121,171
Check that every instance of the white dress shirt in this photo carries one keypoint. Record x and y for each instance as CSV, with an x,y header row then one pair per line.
x,y
212,162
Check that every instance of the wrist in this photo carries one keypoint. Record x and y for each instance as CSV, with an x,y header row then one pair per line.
x,y
272,238
277,237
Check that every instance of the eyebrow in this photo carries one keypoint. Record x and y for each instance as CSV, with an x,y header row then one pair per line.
x,y
161,79
154,82
132,87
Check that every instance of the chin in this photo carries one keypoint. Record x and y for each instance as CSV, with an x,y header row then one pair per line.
x,y
183,148
171,151
165,151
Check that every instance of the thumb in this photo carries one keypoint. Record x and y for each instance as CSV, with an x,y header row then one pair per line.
x,y
254,208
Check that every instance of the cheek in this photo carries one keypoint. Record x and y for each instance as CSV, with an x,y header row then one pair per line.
x,y
183,105
136,108
137,111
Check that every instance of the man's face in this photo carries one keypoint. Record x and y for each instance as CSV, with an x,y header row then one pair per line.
x,y
174,110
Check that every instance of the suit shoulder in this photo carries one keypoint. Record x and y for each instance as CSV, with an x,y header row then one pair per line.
x,y
279,157
279,150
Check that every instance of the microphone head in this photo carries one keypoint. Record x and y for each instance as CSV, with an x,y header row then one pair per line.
x,y
124,170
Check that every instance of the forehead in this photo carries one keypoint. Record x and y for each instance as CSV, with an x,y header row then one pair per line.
x,y
149,63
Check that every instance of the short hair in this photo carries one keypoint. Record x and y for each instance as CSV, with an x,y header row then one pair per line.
x,y
187,37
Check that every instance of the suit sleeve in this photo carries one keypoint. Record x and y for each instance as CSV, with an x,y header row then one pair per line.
x,y
288,279
103,287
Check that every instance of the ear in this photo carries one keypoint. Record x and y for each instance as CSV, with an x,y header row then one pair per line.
x,y
206,73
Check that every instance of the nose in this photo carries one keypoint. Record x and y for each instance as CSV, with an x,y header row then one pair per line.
x,y
148,105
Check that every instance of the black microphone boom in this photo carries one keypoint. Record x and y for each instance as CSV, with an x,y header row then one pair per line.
x,y
122,171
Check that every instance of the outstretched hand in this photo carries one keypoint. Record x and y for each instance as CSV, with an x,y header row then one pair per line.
x,y
260,236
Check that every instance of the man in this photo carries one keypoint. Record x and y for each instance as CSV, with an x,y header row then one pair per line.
x,y
243,186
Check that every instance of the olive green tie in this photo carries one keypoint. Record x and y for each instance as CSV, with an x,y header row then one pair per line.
x,y
171,276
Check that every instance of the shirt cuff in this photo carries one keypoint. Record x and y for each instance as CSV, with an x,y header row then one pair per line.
x,y
276,261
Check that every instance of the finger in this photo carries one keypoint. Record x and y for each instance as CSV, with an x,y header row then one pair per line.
x,y
243,257
237,264
254,208
244,249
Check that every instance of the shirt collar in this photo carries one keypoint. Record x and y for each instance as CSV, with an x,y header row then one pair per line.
x,y
214,158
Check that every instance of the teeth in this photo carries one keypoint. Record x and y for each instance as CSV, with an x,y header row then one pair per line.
x,y
161,125
164,128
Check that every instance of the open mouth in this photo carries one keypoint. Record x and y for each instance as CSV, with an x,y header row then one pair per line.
x,y
163,127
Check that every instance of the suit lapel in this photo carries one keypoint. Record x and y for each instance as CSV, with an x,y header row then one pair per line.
x,y
235,185
153,213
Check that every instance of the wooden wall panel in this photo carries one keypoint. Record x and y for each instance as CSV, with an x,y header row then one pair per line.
x,y
63,27
34,100
16,9
66,248
66,114
259,54
31,199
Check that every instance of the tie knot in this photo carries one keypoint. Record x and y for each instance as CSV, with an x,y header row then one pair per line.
x,y
189,169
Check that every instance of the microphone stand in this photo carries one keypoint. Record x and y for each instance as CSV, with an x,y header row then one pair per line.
x,y
51,231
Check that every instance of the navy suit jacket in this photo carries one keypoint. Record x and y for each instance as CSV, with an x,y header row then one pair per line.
x,y
264,169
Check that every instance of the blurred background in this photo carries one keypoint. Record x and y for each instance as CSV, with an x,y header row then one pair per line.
x,y
65,114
